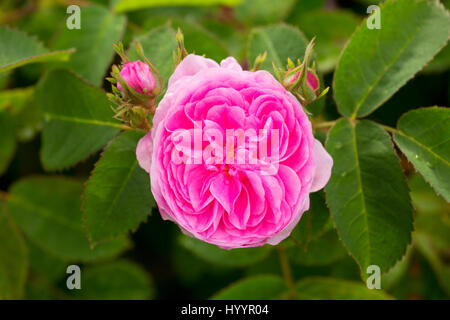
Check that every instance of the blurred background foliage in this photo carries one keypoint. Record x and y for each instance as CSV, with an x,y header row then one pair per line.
x,y
157,261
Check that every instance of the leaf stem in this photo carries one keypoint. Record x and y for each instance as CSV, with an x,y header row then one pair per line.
x,y
287,272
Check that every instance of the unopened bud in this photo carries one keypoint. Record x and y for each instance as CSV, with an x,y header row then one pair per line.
x,y
301,80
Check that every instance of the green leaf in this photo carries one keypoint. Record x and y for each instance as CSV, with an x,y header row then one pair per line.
x,y
117,196
446,3
390,279
318,288
77,119
100,28
25,116
313,222
370,2
260,287
4,78
40,290
45,266
303,8
270,265
423,136
129,5
228,258
263,11
47,209
432,223
13,258
19,49
7,140
440,63
15,99
46,273
427,248
332,30
234,42
159,45
322,251
43,20
280,41
27,122
367,195
119,280
376,63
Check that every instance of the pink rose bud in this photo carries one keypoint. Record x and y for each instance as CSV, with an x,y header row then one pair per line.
x,y
244,194
139,77
311,80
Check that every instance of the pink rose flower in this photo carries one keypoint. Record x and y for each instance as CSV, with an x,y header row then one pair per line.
x,y
255,199
138,76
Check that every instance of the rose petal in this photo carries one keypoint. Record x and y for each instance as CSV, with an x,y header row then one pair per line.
x,y
230,63
292,184
283,234
226,190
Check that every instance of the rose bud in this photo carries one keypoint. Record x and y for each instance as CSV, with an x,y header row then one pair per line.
x,y
301,79
247,197
139,77
311,80
135,88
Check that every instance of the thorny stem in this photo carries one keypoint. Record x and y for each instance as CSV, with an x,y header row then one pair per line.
x,y
287,272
